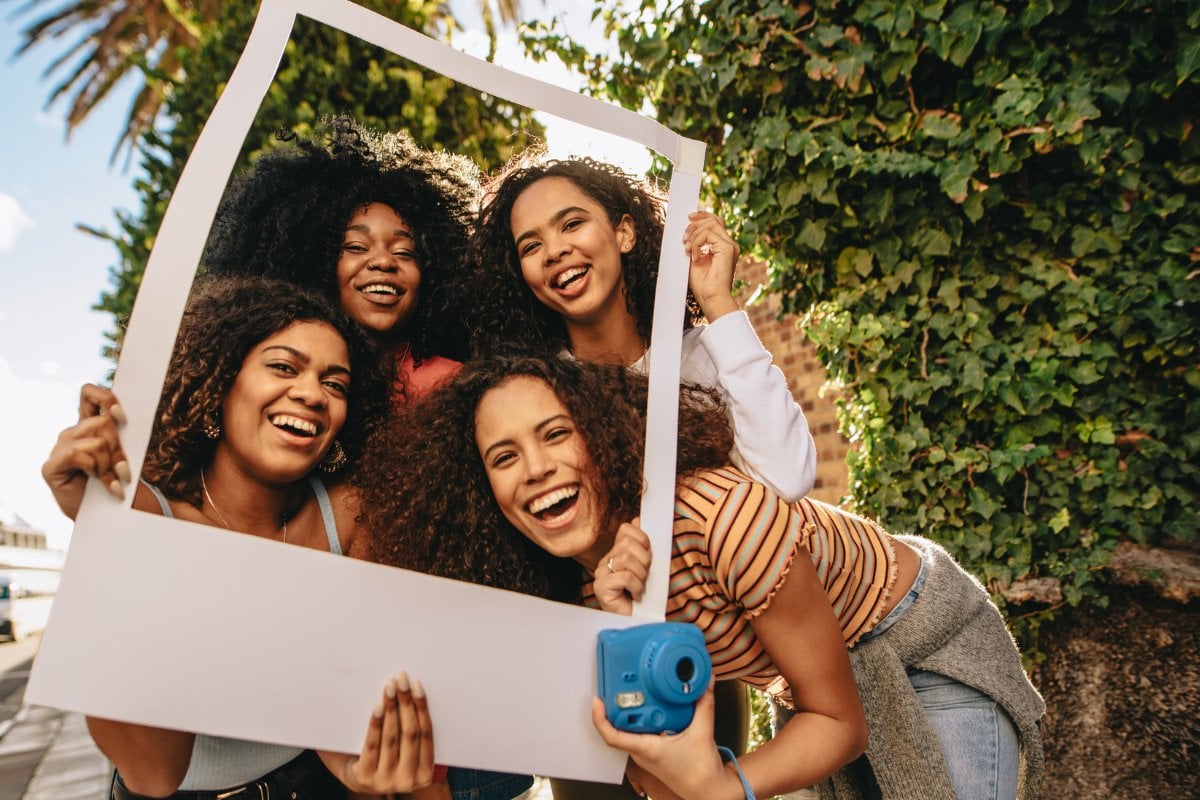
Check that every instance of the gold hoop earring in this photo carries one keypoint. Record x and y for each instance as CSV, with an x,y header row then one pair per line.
x,y
335,459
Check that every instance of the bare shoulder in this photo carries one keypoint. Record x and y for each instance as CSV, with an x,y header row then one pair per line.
x,y
144,500
347,507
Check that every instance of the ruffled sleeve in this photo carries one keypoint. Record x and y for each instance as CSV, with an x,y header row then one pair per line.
x,y
751,536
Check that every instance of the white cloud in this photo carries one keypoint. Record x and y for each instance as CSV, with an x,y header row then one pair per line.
x,y
13,220
36,410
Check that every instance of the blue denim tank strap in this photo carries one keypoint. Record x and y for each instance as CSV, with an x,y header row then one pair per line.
x,y
331,531
319,491
160,497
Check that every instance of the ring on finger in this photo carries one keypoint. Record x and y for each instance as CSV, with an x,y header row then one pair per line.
x,y
611,568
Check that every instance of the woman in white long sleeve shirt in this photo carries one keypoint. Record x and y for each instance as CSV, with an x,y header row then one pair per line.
x,y
565,258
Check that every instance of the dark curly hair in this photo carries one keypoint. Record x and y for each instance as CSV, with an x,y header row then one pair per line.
x,y
224,320
447,521
502,312
285,217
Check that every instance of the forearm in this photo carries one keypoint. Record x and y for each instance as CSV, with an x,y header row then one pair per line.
x,y
151,761
808,749
772,441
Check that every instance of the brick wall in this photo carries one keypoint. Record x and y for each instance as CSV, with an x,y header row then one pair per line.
x,y
798,360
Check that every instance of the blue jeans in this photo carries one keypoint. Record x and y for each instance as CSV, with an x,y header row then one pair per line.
x,y
978,739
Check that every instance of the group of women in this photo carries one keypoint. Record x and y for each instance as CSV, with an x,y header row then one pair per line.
x,y
318,369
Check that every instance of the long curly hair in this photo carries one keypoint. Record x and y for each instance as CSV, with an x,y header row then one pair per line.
x,y
502,312
224,320
445,520
286,217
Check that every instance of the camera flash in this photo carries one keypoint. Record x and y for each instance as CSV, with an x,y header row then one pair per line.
x,y
630,699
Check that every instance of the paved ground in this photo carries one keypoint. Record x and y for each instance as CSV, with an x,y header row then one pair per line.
x,y
65,764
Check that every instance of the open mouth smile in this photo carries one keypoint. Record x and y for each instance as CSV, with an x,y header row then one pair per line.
x,y
568,277
554,505
295,425
382,290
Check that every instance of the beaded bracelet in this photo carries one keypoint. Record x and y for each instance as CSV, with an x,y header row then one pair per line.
x,y
728,756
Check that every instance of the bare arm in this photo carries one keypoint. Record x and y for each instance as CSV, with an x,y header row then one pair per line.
x,y
801,634
151,761
772,442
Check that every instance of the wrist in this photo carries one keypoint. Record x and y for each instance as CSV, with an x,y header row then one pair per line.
x,y
347,777
736,784
717,307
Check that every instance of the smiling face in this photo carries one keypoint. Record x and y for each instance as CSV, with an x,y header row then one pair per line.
x,y
538,466
287,404
377,272
570,253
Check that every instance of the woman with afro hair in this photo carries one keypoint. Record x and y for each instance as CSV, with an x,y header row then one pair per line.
x,y
368,218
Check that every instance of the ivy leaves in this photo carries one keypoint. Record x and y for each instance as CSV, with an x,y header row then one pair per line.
x,y
985,215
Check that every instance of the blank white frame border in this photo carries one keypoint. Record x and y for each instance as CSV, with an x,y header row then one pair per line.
x,y
178,625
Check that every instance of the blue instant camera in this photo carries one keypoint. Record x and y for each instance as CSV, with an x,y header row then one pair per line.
x,y
650,676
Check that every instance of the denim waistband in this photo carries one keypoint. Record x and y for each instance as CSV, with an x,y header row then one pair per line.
x,y
896,613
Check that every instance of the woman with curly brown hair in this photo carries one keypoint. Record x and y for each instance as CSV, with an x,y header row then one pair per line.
x,y
824,610
451,526
564,258
368,218
268,386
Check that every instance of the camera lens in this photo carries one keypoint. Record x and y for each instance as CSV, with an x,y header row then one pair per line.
x,y
685,669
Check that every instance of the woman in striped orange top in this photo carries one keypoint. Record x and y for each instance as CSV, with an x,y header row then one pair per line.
x,y
532,467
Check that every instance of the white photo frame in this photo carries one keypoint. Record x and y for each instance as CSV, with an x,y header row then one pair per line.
x,y
178,625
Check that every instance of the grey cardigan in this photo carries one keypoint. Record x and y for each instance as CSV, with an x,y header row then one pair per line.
x,y
952,629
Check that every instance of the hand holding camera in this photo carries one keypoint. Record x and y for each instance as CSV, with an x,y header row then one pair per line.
x,y
684,766
651,676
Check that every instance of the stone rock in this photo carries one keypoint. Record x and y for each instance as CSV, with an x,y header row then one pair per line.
x,y
1122,690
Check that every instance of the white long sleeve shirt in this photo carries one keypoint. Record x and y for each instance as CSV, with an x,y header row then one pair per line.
x,y
772,442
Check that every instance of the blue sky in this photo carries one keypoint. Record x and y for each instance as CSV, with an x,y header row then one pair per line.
x,y
51,274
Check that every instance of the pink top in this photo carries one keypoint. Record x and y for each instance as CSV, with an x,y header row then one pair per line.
x,y
414,382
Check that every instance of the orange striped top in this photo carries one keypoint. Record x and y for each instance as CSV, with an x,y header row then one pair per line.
x,y
734,541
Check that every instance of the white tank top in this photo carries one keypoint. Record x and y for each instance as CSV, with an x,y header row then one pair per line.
x,y
218,762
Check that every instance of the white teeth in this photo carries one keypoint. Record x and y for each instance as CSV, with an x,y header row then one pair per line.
x,y
540,504
565,277
302,425
380,288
